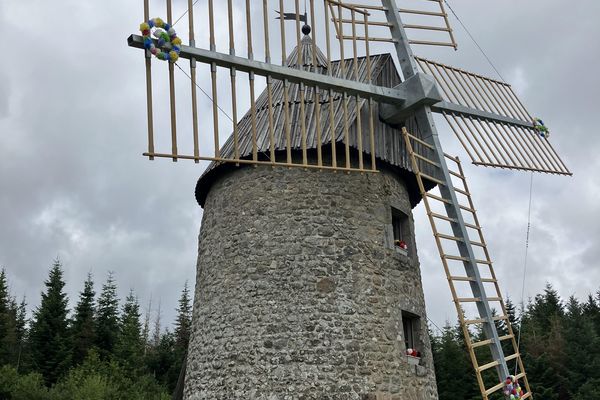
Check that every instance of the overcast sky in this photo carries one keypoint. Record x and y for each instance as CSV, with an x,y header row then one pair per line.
x,y
73,183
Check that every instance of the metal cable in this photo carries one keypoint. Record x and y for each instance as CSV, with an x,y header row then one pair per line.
x,y
525,266
184,14
206,94
474,41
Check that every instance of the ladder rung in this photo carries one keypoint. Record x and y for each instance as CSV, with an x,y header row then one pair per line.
x,y
494,299
488,366
462,278
440,216
495,388
456,174
481,320
455,258
512,357
472,226
460,258
457,239
469,209
474,321
462,191
453,158
438,198
481,343
506,337
469,279
427,160
432,179
468,299
520,376
526,396
448,237
416,139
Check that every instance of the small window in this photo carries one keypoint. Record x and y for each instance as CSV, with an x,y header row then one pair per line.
x,y
401,229
411,324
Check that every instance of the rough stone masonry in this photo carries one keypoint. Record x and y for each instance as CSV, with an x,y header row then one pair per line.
x,y
300,290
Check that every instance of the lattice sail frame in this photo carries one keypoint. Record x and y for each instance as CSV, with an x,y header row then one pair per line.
x,y
341,28
486,116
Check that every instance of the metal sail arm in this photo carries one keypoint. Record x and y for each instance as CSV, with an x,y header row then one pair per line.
x,y
429,136
396,96
487,118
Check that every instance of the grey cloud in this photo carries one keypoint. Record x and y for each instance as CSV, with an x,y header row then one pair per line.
x,y
73,183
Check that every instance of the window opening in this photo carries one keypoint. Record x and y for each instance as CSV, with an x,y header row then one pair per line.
x,y
401,229
411,324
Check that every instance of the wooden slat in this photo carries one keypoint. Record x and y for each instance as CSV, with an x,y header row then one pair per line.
x,y
432,179
488,366
468,299
427,160
481,343
494,389
443,217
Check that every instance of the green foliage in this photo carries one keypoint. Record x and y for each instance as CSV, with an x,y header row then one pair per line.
x,y
163,362
49,337
83,330
453,370
10,325
560,344
107,319
183,322
96,379
130,348
21,387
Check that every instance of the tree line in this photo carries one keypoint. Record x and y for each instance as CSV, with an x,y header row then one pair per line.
x,y
559,344
104,348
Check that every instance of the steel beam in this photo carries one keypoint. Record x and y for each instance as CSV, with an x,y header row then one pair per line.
x,y
426,125
382,94
444,106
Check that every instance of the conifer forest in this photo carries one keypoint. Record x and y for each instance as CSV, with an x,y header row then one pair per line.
x,y
109,348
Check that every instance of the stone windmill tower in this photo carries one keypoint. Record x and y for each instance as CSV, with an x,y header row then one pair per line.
x,y
308,281
301,288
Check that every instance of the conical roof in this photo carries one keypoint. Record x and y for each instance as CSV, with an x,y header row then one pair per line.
x,y
389,144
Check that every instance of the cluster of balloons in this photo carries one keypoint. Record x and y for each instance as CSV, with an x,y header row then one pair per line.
x,y
413,352
512,389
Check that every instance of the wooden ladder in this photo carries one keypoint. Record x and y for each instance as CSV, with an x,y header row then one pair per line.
x,y
455,214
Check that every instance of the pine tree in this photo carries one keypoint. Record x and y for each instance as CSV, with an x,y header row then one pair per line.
x,y
182,334
6,324
107,318
21,333
453,369
156,334
184,321
583,361
49,335
543,345
146,327
129,348
83,329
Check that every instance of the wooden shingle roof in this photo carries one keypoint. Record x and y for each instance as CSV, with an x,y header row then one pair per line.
x,y
389,144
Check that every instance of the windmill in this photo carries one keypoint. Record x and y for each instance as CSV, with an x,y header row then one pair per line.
x,y
318,124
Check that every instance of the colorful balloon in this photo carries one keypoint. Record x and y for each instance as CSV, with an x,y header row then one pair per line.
x,y
168,43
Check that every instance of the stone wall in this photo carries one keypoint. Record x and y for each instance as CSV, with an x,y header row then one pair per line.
x,y
300,290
